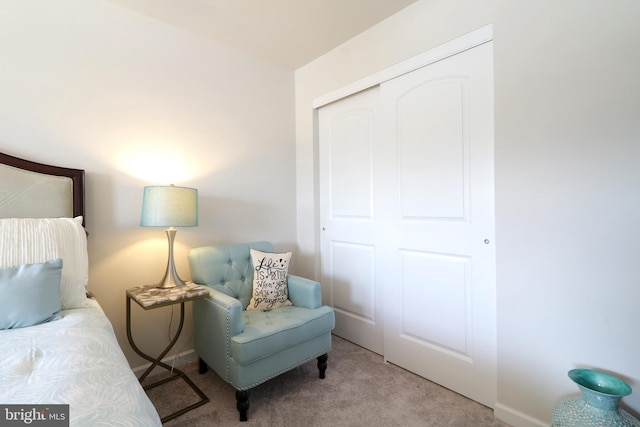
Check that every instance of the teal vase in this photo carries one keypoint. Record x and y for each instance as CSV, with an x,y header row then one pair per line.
x,y
598,405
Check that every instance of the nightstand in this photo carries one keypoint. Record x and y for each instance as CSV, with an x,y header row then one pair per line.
x,y
150,297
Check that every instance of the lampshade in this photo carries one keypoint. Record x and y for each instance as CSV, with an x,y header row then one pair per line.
x,y
169,206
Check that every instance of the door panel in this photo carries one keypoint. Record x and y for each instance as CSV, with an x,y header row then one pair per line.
x,y
440,142
431,175
435,287
348,131
353,282
350,163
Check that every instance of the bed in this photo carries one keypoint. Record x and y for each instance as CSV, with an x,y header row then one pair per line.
x,y
57,347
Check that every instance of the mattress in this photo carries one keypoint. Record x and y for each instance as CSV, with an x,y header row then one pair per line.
x,y
75,360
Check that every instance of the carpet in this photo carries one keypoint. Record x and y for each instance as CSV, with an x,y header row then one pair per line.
x,y
360,389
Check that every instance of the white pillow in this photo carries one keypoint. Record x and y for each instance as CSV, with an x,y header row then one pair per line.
x,y
37,240
270,280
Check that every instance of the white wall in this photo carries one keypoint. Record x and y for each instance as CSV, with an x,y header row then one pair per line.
x,y
135,102
567,180
86,84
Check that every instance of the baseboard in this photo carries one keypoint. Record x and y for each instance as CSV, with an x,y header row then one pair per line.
x,y
177,361
516,418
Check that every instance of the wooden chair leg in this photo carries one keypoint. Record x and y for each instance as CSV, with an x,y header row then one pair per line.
x,y
322,364
242,403
202,366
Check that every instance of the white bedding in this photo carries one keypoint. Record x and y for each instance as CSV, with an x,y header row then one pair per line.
x,y
75,360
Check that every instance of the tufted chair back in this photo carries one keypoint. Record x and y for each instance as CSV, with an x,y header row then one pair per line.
x,y
228,268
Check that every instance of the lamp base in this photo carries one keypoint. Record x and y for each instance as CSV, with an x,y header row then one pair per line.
x,y
170,279
170,282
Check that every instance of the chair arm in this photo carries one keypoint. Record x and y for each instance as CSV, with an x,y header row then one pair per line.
x,y
304,292
226,309
215,320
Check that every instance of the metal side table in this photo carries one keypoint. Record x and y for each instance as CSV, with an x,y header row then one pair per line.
x,y
150,297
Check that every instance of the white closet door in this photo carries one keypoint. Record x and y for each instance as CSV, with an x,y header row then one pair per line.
x,y
407,219
435,169
348,134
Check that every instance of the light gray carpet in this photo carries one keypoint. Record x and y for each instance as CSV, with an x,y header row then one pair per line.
x,y
359,390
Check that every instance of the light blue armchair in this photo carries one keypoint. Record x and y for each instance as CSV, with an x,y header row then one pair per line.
x,y
247,348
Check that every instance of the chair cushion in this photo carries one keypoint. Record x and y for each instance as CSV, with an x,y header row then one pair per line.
x,y
267,333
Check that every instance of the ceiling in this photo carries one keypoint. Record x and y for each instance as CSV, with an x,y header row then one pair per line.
x,y
290,33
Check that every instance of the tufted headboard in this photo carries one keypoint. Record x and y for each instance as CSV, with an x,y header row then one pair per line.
x,y
36,190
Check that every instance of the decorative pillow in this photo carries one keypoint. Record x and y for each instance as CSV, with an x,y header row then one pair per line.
x,y
270,272
30,294
36,240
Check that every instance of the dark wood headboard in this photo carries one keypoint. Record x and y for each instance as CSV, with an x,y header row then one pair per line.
x,y
75,175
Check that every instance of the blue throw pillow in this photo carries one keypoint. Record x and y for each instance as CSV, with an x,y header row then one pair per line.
x,y
30,294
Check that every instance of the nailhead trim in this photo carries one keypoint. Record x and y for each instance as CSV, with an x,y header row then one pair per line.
x,y
278,373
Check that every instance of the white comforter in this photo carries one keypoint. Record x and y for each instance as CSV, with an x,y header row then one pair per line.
x,y
77,361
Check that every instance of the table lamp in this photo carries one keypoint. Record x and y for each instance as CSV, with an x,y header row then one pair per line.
x,y
169,206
